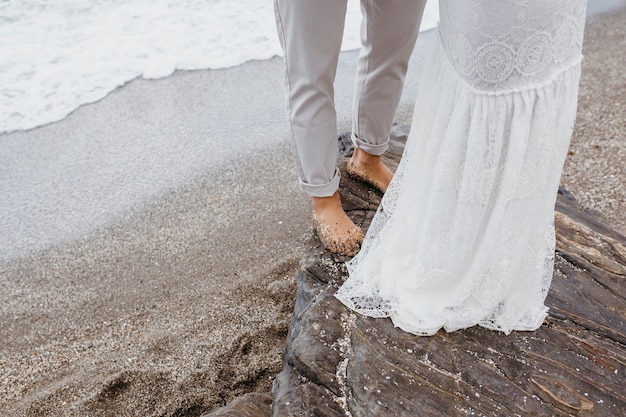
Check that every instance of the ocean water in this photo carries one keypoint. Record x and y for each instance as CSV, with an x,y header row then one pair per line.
x,y
57,55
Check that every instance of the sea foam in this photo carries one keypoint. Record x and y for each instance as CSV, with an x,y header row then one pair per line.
x,y
59,55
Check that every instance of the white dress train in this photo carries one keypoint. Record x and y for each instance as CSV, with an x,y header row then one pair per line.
x,y
464,234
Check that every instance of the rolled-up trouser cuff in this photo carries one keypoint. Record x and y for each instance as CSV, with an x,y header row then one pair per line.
x,y
371,149
322,190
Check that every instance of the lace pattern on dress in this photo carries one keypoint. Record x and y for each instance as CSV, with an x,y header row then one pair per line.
x,y
506,44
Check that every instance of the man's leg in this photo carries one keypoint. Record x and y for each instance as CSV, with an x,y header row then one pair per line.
x,y
388,34
310,32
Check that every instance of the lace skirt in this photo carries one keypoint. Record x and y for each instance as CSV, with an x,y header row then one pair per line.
x,y
464,234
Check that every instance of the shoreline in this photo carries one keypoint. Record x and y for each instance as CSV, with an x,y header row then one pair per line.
x,y
147,138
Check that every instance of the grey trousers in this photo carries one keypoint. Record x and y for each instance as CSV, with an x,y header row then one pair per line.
x,y
310,32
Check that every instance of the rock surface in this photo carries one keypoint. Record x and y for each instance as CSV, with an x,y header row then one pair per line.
x,y
337,363
249,405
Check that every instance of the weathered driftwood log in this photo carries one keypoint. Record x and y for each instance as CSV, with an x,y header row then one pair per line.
x,y
338,363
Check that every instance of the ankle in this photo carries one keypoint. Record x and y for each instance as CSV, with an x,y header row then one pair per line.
x,y
362,158
327,204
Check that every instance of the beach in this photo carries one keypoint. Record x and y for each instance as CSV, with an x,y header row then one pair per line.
x,y
148,264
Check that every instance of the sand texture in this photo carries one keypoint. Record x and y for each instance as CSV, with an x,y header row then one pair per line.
x,y
175,312
595,169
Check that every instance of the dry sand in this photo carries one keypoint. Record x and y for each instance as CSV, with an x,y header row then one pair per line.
x,y
595,168
185,304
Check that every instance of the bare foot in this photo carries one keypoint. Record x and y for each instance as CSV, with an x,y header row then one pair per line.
x,y
370,169
334,228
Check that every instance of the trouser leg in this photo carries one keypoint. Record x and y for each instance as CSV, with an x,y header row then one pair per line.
x,y
310,32
388,34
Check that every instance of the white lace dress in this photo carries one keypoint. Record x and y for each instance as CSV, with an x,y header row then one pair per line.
x,y
464,234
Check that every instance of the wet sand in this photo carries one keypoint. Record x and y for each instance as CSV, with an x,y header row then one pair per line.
x,y
180,308
181,300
